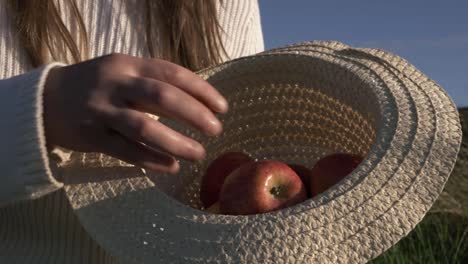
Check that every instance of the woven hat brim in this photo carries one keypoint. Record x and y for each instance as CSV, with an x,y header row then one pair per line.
x,y
373,208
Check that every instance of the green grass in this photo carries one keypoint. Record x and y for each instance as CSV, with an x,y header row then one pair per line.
x,y
439,238
442,236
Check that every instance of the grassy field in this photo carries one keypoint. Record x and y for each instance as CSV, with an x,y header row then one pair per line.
x,y
442,236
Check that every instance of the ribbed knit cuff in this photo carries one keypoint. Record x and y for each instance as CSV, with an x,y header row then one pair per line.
x,y
33,172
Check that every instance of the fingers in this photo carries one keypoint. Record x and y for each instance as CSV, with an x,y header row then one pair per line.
x,y
160,98
139,155
187,81
139,127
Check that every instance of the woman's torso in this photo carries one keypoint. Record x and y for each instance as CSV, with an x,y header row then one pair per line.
x,y
46,230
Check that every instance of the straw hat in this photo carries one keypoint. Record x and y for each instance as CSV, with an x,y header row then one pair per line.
x,y
293,104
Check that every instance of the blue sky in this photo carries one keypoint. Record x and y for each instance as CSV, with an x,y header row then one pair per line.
x,y
432,35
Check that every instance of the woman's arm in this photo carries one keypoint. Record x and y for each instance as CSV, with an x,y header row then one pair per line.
x,y
24,162
99,105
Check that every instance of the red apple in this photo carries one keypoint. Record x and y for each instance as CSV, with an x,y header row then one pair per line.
x,y
214,208
304,173
260,187
217,172
330,170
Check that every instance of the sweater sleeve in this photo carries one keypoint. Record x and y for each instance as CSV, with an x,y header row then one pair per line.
x,y
24,162
241,28
253,36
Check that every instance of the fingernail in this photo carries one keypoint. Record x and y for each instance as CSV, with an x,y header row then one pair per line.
x,y
221,105
199,150
215,127
174,168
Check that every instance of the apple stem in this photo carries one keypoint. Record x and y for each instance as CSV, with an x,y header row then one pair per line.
x,y
278,191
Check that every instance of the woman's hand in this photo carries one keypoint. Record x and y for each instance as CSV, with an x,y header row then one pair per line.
x,y
99,106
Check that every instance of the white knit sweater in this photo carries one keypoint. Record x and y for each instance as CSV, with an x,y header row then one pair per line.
x,y
36,222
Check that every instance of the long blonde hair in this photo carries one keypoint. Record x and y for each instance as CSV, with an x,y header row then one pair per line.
x,y
190,28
